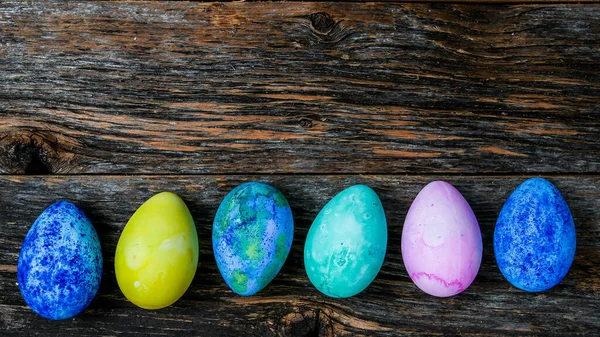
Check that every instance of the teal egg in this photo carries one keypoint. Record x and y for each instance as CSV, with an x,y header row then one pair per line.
x,y
346,243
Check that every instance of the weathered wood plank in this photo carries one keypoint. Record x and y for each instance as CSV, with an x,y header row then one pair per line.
x,y
290,306
179,87
407,1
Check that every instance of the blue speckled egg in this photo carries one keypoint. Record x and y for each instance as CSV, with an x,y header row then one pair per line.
x,y
60,264
252,236
534,240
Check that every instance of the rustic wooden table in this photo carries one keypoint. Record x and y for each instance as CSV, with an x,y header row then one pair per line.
x,y
107,103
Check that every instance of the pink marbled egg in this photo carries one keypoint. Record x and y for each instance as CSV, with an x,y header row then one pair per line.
x,y
441,241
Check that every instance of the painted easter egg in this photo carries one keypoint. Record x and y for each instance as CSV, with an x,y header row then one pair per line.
x,y
60,264
252,236
534,240
441,241
157,253
346,243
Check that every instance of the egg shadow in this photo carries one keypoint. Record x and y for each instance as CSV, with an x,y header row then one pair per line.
x,y
108,226
304,208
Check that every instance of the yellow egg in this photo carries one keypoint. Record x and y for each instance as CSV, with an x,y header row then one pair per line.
x,y
157,253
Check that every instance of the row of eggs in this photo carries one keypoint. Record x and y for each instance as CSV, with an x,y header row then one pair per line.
x,y
60,263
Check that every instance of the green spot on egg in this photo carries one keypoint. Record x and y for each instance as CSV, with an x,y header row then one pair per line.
x,y
281,201
272,269
282,247
253,251
341,257
263,215
240,281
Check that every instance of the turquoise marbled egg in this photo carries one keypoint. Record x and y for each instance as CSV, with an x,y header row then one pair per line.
x,y
252,236
346,243
60,264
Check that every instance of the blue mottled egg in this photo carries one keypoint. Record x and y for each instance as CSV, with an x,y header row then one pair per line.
x,y
534,240
252,236
60,264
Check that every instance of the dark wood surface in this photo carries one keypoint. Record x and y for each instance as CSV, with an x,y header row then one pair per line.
x,y
107,103
177,87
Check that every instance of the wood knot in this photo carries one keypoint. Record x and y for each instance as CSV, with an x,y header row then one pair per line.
x,y
322,22
306,323
305,123
327,30
27,152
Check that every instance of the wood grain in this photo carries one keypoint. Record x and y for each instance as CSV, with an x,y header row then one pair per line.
x,y
215,88
407,1
290,306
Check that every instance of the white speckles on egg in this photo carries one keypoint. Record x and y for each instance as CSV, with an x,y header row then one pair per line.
x,y
535,237
60,264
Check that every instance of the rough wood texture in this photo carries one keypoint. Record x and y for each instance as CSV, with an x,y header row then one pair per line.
x,y
178,87
197,92
290,306
404,1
